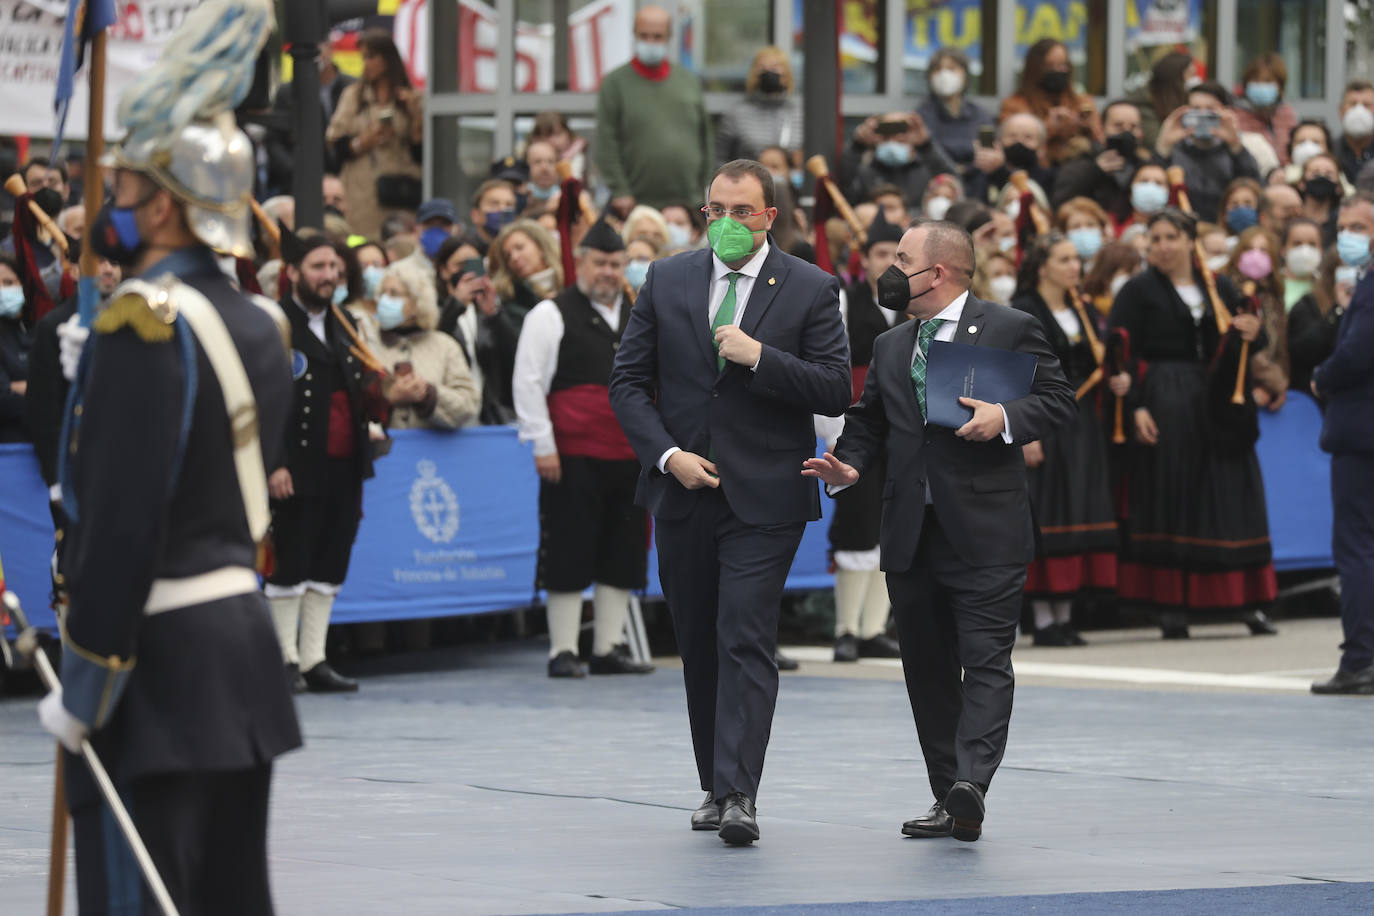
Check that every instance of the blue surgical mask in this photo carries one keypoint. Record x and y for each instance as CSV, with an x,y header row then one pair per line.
x,y
1353,248
1238,219
1263,95
11,301
892,152
372,280
1149,196
651,53
497,220
1087,241
636,272
341,294
796,177
391,312
539,193
679,236
431,239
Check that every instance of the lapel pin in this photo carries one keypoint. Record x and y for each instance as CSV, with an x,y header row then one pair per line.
x,y
973,329
772,280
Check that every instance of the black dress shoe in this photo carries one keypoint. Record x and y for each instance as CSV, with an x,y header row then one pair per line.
x,y
1260,624
784,663
1072,635
880,646
1357,683
1052,635
737,824
294,679
1175,632
565,664
707,817
966,807
618,661
934,823
324,679
846,648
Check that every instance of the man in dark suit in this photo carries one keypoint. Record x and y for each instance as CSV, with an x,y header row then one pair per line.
x,y
957,530
727,355
1346,381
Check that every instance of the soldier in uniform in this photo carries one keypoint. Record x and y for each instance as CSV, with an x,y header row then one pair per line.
x,y
590,530
180,402
861,604
317,485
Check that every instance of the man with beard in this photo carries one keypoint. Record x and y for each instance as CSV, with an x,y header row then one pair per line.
x,y
590,529
317,492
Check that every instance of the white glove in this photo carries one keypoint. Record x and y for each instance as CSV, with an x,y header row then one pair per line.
x,y
61,724
71,337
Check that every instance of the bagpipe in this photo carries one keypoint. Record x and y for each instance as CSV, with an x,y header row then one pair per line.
x,y
571,206
34,226
830,201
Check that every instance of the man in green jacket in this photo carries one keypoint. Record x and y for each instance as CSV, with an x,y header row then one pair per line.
x,y
653,139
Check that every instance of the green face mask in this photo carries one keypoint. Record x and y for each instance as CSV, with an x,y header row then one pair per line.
x,y
730,239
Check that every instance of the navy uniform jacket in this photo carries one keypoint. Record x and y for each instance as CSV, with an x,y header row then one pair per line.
x,y
978,488
1346,379
667,391
198,688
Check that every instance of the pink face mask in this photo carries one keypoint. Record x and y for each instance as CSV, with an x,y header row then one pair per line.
x,y
1255,263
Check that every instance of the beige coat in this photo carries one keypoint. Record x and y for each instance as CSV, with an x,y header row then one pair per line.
x,y
356,113
438,359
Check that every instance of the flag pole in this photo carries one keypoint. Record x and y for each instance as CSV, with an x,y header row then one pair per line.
x,y
93,192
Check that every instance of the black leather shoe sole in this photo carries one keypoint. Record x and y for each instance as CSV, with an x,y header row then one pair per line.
x,y
964,807
928,831
739,832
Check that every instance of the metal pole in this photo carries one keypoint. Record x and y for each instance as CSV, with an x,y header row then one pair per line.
x,y
304,30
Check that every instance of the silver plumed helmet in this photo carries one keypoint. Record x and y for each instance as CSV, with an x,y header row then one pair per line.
x,y
181,129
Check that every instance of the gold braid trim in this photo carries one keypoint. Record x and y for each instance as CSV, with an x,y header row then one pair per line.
x,y
134,311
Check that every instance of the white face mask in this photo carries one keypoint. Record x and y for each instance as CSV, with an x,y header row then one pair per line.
x,y
947,83
1305,150
1006,243
1358,121
1217,262
1002,288
1119,281
1303,260
937,207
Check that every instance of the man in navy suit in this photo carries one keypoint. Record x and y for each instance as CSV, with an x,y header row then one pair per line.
x,y
957,530
727,355
1346,381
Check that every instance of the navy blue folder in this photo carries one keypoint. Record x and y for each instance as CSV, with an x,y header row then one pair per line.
x,y
955,370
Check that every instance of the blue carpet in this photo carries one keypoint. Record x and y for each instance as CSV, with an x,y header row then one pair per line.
x,y
1276,899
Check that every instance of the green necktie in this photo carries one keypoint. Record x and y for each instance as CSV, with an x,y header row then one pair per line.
x,y
918,365
724,315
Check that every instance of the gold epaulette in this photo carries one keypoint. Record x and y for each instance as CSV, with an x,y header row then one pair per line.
x,y
147,308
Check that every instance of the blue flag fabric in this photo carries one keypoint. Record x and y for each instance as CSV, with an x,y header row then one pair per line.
x,y
98,16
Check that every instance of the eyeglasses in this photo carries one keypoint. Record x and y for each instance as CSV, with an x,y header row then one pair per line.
x,y
740,213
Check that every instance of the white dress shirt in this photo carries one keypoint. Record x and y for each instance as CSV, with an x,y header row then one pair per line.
x,y
720,285
315,320
536,363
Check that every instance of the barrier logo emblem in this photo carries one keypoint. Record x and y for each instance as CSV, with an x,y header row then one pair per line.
x,y
433,504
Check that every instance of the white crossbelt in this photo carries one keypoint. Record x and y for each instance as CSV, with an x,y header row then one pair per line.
x,y
219,347
171,594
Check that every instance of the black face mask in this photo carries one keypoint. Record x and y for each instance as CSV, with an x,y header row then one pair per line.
x,y
894,288
1054,81
1021,156
1124,143
1320,188
49,201
770,82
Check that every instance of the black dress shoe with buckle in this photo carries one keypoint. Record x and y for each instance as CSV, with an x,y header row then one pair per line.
x,y
880,646
966,807
324,679
294,679
784,663
737,824
934,823
1260,624
618,661
846,648
565,664
1350,683
707,817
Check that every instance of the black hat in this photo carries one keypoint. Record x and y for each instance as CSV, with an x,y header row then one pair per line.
x,y
294,248
602,238
882,231
511,169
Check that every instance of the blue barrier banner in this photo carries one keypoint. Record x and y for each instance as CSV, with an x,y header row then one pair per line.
x,y
451,523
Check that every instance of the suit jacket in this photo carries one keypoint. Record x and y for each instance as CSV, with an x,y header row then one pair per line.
x,y
666,389
978,488
1346,379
